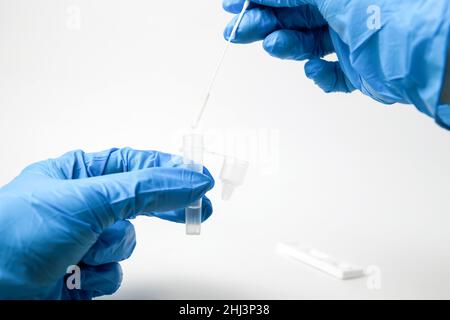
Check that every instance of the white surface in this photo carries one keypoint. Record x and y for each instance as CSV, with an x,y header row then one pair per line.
x,y
356,179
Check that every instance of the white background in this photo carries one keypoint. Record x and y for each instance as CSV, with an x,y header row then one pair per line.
x,y
359,180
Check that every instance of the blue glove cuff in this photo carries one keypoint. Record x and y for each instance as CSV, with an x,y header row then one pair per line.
x,y
445,91
443,110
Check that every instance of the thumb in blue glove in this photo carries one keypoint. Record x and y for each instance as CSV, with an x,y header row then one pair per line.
x,y
401,60
72,211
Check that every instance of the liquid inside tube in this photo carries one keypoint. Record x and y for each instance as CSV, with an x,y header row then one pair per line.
x,y
194,218
193,159
193,143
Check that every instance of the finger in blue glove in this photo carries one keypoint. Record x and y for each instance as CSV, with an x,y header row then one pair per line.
x,y
71,211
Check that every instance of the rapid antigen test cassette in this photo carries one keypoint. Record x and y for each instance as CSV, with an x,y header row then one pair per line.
x,y
321,261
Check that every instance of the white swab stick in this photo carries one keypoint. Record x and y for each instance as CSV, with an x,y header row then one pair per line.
x,y
219,64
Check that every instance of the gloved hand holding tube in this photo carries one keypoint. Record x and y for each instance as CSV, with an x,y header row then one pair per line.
x,y
392,51
74,210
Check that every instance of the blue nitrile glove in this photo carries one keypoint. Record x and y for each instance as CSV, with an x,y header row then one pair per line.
x,y
72,211
401,59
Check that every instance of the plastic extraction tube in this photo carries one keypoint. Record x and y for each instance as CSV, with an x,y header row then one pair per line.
x,y
193,159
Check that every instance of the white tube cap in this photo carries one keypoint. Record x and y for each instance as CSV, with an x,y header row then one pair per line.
x,y
227,190
232,175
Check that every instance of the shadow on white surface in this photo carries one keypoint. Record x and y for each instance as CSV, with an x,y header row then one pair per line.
x,y
180,289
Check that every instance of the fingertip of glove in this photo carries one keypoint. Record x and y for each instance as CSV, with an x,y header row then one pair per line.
x,y
115,276
233,6
102,280
328,76
281,44
199,182
228,29
210,177
442,116
313,68
207,209
270,44
226,33
208,182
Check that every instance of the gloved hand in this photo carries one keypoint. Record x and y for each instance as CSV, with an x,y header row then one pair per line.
x,y
402,59
73,210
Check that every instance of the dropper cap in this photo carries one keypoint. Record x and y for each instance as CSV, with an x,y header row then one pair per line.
x,y
227,190
232,175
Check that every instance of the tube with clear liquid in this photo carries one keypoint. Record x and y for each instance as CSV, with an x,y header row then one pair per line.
x,y
193,143
193,159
